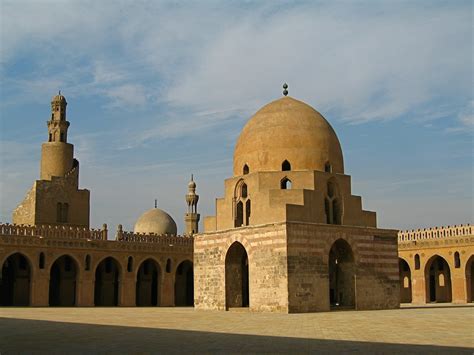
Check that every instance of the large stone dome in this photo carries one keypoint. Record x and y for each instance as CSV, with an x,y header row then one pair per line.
x,y
287,129
155,221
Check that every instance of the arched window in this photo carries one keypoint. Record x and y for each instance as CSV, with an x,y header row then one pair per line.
x,y
417,262
285,184
328,167
168,266
59,208
239,214
41,260
286,166
457,260
243,191
333,204
406,282
247,212
61,137
246,169
88,262
65,212
441,280
50,137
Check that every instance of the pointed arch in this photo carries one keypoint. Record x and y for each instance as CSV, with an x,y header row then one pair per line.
x,y
15,287
184,284
405,281
438,280
63,279
107,282
285,183
237,293
341,271
285,166
148,285
245,169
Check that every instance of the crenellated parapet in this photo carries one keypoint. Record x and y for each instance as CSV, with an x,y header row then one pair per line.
x,y
53,231
442,232
163,239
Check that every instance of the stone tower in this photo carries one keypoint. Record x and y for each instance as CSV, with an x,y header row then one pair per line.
x,y
56,197
191,218
57,154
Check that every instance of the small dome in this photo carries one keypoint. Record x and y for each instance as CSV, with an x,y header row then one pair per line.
x,y
155,221
288,130
192,185
59,98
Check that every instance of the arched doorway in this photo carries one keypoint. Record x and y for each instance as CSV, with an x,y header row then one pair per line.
x,y
236,277
438,280
405,281
15,282
341,275
107,279
470,279
62,282
184,285
148,284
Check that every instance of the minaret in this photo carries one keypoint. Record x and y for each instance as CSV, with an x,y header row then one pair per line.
x,y
191,218
56,153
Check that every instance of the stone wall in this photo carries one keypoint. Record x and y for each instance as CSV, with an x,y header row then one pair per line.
x,y
266,250
376,266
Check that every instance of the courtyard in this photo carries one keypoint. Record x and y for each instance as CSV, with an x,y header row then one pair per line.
x,y
426,329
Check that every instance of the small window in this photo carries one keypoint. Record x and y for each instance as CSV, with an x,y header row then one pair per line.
x,y
406,282
328,167
50,137
65,212
41,261
88,262
247,212
239,216
457,260
285,184
286,166
246,169
130,264
417,262
441,280
59,208
62,137
243,190
168,266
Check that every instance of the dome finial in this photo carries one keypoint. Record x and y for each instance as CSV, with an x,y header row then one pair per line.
x,y
156,203
285,87
59,93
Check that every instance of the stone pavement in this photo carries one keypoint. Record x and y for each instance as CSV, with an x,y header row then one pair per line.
x,y
183,330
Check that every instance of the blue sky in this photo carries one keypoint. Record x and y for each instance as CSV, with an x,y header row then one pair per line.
x,y
159,90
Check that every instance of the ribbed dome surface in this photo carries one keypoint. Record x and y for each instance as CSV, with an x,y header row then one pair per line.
x,y
287,129
155,221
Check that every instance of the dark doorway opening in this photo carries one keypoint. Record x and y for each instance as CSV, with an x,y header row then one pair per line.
x,y
148,285
15,281
405,281
237,277
184,285
438,280
62,282
341,275
107,278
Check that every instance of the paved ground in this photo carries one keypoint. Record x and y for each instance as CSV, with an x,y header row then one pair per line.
x,y
179,330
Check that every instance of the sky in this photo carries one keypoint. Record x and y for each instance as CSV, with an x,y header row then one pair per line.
x,y
160,90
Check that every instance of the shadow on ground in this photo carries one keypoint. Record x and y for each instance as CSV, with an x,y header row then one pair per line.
x,y
27,336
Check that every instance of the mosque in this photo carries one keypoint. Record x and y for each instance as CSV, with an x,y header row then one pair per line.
x,y
287,236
